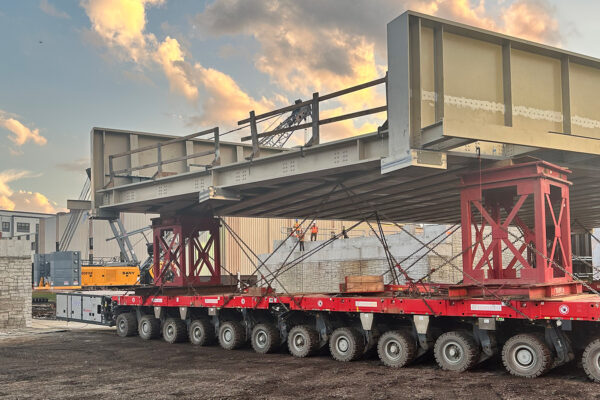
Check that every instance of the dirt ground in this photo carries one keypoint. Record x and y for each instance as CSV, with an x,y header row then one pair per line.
x,y
95,363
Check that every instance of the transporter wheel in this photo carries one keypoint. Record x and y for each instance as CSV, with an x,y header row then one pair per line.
x,y
527,355
456,351
231,335
591,360
127,324
201,332
174,330
346,344
265,338
303,341
149,327
396,348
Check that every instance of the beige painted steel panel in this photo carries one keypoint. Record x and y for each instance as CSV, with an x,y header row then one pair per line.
x,y
585,86
496,88
473,80
536,92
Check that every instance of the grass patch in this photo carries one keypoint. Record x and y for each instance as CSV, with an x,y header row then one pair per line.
x,y
44,295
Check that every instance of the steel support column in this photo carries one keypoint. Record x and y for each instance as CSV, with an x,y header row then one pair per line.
x,y
181,257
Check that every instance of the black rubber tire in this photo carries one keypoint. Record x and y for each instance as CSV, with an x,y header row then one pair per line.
x,y
127,324
174,330
456,351
149,327
527,355
396,348
201,332
346,344
232,335
591,360
265,338
303,341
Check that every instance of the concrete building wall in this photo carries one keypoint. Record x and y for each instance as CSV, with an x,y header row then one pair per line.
x,y
10,220
15,283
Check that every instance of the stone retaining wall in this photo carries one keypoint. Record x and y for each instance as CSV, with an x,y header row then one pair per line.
x,y
15,284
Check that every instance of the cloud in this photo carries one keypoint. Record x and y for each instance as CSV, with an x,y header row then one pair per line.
x,y
121,25
528,19
314,45
22,200
305,46
78,165
534,20
21,133
49,9
170,57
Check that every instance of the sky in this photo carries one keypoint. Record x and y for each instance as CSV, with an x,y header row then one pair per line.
x,y
180,66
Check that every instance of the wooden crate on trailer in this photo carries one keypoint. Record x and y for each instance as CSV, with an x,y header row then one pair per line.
x,y
363,284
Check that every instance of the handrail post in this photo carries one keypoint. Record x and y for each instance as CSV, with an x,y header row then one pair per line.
x,y
159,157
111,169
254,134
315,120
217,160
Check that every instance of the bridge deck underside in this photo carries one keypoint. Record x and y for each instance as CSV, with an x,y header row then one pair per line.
x,y
353,192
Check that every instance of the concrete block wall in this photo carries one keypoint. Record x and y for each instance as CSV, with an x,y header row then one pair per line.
x,y
15,283
326,269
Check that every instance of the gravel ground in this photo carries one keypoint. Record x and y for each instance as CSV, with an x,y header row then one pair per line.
x,y
99,365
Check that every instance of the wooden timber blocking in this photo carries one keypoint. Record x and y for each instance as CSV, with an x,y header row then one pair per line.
x,y
363,284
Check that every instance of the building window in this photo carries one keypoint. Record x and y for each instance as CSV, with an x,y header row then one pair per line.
x,y
22,227
6,227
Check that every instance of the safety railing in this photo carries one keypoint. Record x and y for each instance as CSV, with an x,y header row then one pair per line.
x,y
159,159
327,233
316,121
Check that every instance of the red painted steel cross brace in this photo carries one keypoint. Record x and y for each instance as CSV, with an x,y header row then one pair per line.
x,y
522,192
185,260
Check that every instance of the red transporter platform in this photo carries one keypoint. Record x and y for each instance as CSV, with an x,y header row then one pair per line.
x,y
527,304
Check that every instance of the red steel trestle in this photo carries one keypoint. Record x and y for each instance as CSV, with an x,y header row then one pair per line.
x,y
500,198
181,257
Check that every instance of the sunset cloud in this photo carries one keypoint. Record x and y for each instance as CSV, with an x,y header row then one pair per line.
x,y
22,200
312,45
334,46
121,25
170,57
528,19
20,133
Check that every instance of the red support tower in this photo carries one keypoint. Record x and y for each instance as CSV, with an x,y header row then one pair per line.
x,y
180,257
529,200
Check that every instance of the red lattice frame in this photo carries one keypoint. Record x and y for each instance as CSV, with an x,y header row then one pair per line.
x,y
492,191
181,259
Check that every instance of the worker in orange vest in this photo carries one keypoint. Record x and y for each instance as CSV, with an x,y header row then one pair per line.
x,y
296,228
313,232
301,239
